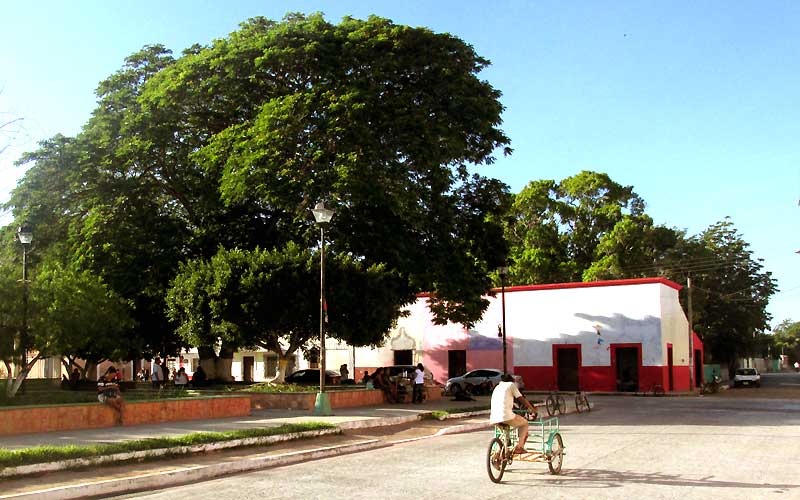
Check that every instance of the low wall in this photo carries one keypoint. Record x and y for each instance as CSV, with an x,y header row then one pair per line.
x,y
32,419
338,399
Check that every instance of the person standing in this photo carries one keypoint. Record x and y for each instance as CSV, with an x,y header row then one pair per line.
x,y
156,374
344,373
419,384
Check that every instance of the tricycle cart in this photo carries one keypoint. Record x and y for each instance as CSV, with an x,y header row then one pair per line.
x,y
544,445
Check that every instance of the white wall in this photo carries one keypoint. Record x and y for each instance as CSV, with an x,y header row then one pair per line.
x,y
621,314
674,326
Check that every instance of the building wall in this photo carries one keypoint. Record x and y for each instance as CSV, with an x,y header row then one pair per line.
x,y
597,319
675,331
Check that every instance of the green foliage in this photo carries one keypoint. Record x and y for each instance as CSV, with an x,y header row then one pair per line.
x,y
730,292
443,414
585,227
261,298
787,338
227,147
305,109
267,388
75,312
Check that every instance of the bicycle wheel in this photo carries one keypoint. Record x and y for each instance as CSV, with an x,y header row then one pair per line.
x,y
562,404
552,406
556,455
496,460
586,402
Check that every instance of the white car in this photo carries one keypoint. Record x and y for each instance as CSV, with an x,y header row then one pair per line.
x,y
477,377
746,376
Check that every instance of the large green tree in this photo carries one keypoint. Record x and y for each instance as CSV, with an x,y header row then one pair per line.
x,y
732,290
67,312
380,119
787,339
575,229
230,144
270,299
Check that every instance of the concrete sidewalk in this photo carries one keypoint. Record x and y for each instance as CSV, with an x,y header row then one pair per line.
x,y
364,428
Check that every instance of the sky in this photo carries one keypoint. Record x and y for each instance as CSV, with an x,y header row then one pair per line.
x,y
692,103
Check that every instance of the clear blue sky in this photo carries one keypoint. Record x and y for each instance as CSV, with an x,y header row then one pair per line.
x,y
692,103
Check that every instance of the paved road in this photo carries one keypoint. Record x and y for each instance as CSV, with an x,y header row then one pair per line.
x,y
773,385
633,447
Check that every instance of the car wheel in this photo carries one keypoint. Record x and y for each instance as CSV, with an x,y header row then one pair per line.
x,y
758,384
455,389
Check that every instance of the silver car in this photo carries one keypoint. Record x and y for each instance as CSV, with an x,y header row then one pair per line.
x,y
478,377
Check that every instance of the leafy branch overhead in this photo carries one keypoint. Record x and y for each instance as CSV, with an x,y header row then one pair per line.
x,y
224,148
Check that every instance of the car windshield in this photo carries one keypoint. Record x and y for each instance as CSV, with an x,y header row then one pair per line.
x,y
745,371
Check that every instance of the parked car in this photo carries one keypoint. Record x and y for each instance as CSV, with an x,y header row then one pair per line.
x,y
746,376
310,376
478,377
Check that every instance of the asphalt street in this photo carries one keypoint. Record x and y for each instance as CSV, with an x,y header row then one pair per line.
x,y
711,447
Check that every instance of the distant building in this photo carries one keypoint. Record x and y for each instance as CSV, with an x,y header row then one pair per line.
x,y
622,335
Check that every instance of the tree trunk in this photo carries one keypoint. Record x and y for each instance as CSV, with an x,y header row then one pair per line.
x,y
224,362
208,360
89,371
283,364
13,388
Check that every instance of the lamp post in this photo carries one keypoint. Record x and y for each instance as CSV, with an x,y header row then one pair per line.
x,y
25,236
503,271
323,215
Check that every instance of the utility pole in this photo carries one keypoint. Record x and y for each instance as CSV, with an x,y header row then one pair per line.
x,y
691,333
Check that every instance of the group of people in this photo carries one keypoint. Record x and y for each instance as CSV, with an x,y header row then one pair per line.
x,y
381,379
160,375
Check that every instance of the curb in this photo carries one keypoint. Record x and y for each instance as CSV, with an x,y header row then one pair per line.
x,y
189,474
24,470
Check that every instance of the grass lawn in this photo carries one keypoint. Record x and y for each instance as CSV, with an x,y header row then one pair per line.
x,y
44,454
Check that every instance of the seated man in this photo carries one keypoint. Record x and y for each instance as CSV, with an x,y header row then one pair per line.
x,y
108,392
502,411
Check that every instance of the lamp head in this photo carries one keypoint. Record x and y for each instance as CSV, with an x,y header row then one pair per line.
x,y
322,214
24,234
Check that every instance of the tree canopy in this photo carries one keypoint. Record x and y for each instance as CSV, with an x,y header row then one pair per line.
x,y
587,227
187,160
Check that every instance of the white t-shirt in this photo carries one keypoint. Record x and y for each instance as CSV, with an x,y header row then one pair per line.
x,y
503,402
419,376
156,374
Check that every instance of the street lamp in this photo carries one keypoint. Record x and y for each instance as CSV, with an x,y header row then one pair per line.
x,y
503,271
323,215
25,236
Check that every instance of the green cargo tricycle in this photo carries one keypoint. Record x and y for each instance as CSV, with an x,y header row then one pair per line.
x,y
544,445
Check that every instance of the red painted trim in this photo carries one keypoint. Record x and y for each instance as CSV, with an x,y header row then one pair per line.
x,y
536,377
593,284
597,378
584,284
